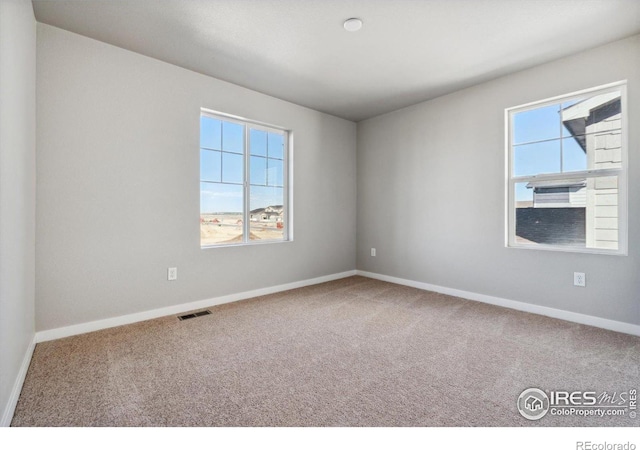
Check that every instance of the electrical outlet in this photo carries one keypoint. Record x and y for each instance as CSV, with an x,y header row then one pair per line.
x,y
172,273
373,251
579,279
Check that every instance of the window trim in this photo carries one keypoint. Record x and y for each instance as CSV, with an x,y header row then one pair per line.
x,y
287,178
621,173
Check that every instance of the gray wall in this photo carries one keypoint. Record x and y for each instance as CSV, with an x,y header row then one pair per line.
x,y
17,189
118,186
431,193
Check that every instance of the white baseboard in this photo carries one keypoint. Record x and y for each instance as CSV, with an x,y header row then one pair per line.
x,y
72,330
584,319
10,408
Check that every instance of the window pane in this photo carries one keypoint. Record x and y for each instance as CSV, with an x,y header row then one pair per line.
x,y
580,213
536,124
220,213
533,159
236,172
574,157
220,198
210,165
275,176
258,170
524,196
232,168
210,133
267,213
232,137
259,142
276,146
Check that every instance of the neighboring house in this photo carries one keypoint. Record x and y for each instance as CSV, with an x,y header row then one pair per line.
x,y
559,194
268,214
595,124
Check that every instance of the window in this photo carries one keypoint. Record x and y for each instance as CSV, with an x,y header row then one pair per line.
x,y
567,172
243,182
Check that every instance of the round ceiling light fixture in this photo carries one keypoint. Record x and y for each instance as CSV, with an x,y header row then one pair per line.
x,y
352,24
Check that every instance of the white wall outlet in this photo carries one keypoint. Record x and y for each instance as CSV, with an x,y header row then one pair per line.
x,y
579,279
172,273
373,251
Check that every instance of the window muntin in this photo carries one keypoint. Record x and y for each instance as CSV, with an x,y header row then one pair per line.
x,y
243,182
567,172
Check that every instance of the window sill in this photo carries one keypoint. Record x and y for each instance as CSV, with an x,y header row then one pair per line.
x,y
245,244
555,248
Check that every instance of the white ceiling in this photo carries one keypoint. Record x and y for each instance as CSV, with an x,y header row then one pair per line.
x,y
407,51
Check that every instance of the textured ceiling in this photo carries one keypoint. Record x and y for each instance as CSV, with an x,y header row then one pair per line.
x,y
407,51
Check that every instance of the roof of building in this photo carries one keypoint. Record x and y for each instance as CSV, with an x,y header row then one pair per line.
x,y
576,117
277,209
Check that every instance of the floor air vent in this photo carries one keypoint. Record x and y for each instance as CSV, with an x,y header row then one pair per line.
x,y
194,315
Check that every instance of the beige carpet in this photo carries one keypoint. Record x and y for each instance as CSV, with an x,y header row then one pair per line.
x,y
353,352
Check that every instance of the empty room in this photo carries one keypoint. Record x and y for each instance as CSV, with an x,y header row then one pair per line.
x,y
286,213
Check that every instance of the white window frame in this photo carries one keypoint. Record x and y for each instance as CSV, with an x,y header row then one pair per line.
x,y
621,173
287,178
